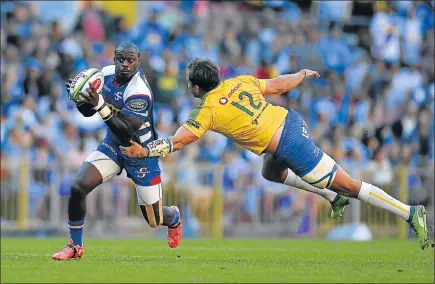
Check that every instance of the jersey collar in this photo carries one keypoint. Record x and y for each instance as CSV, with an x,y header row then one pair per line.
x,y
206,94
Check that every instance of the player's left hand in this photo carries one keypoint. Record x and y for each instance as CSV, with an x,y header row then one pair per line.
x,y
92,97
134,150
310,73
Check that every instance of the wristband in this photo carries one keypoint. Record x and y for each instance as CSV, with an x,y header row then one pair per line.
x,y
159,147
104,111
100,102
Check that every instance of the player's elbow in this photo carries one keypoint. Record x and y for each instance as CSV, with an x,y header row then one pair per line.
x,y
129,133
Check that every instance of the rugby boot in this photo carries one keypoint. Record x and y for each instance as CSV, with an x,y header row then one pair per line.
x,y
70,251
338,206
417,220
176,231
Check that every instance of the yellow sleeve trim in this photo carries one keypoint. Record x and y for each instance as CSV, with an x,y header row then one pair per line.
x,y
262,85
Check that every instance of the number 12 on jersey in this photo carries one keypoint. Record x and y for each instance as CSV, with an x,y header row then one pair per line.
x,y
251,102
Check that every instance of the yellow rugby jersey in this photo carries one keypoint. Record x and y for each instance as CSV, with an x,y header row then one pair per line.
x,y
236,108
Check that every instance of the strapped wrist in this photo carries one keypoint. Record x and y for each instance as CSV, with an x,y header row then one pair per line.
x,y
104,111
159,147
100,103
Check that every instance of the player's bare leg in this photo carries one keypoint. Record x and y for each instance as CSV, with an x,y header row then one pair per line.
x,y
87,178
157,215
277,172
344,184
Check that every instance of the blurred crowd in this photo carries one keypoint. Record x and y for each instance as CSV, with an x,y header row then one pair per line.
x,y
371,110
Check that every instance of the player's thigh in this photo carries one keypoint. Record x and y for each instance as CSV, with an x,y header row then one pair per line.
x,y
87,179
273,169
298,152
101,165
150,202
149,191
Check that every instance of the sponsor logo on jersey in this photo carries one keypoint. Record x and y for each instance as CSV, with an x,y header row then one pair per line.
x,y
136,105
193,123
234,90
109,147
142,172
106,88
118,96
223,100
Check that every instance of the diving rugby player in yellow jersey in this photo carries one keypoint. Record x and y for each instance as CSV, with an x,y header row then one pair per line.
x,y
236,108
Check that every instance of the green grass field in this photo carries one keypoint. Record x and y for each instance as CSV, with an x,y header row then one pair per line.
x,y
208,260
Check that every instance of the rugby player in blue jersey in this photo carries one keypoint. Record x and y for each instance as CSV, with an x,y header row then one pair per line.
x,y
126,106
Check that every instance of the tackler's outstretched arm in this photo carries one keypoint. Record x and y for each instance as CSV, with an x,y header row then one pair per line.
x,y
160,147
284,83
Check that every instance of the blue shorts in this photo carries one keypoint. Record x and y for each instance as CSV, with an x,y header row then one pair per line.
x,y
143,172
296,149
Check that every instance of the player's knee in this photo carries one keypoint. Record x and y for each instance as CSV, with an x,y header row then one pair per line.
x,y
273,170
77,191
265,173
80,189
274,174
267,170
168,214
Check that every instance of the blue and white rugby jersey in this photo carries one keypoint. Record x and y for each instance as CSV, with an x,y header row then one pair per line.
x,y
134,98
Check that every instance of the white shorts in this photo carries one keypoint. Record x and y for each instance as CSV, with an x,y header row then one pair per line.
x,y
146,195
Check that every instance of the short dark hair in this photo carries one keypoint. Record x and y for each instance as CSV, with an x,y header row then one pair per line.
x,y
204,73
127,45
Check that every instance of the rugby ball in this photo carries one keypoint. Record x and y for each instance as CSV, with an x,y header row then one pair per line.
x,y
81,83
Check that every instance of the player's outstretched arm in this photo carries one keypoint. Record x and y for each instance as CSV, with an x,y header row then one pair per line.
x,y
160,147
123,126
284,83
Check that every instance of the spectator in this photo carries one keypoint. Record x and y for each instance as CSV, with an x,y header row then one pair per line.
x,y
380,169
384,29
336,52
